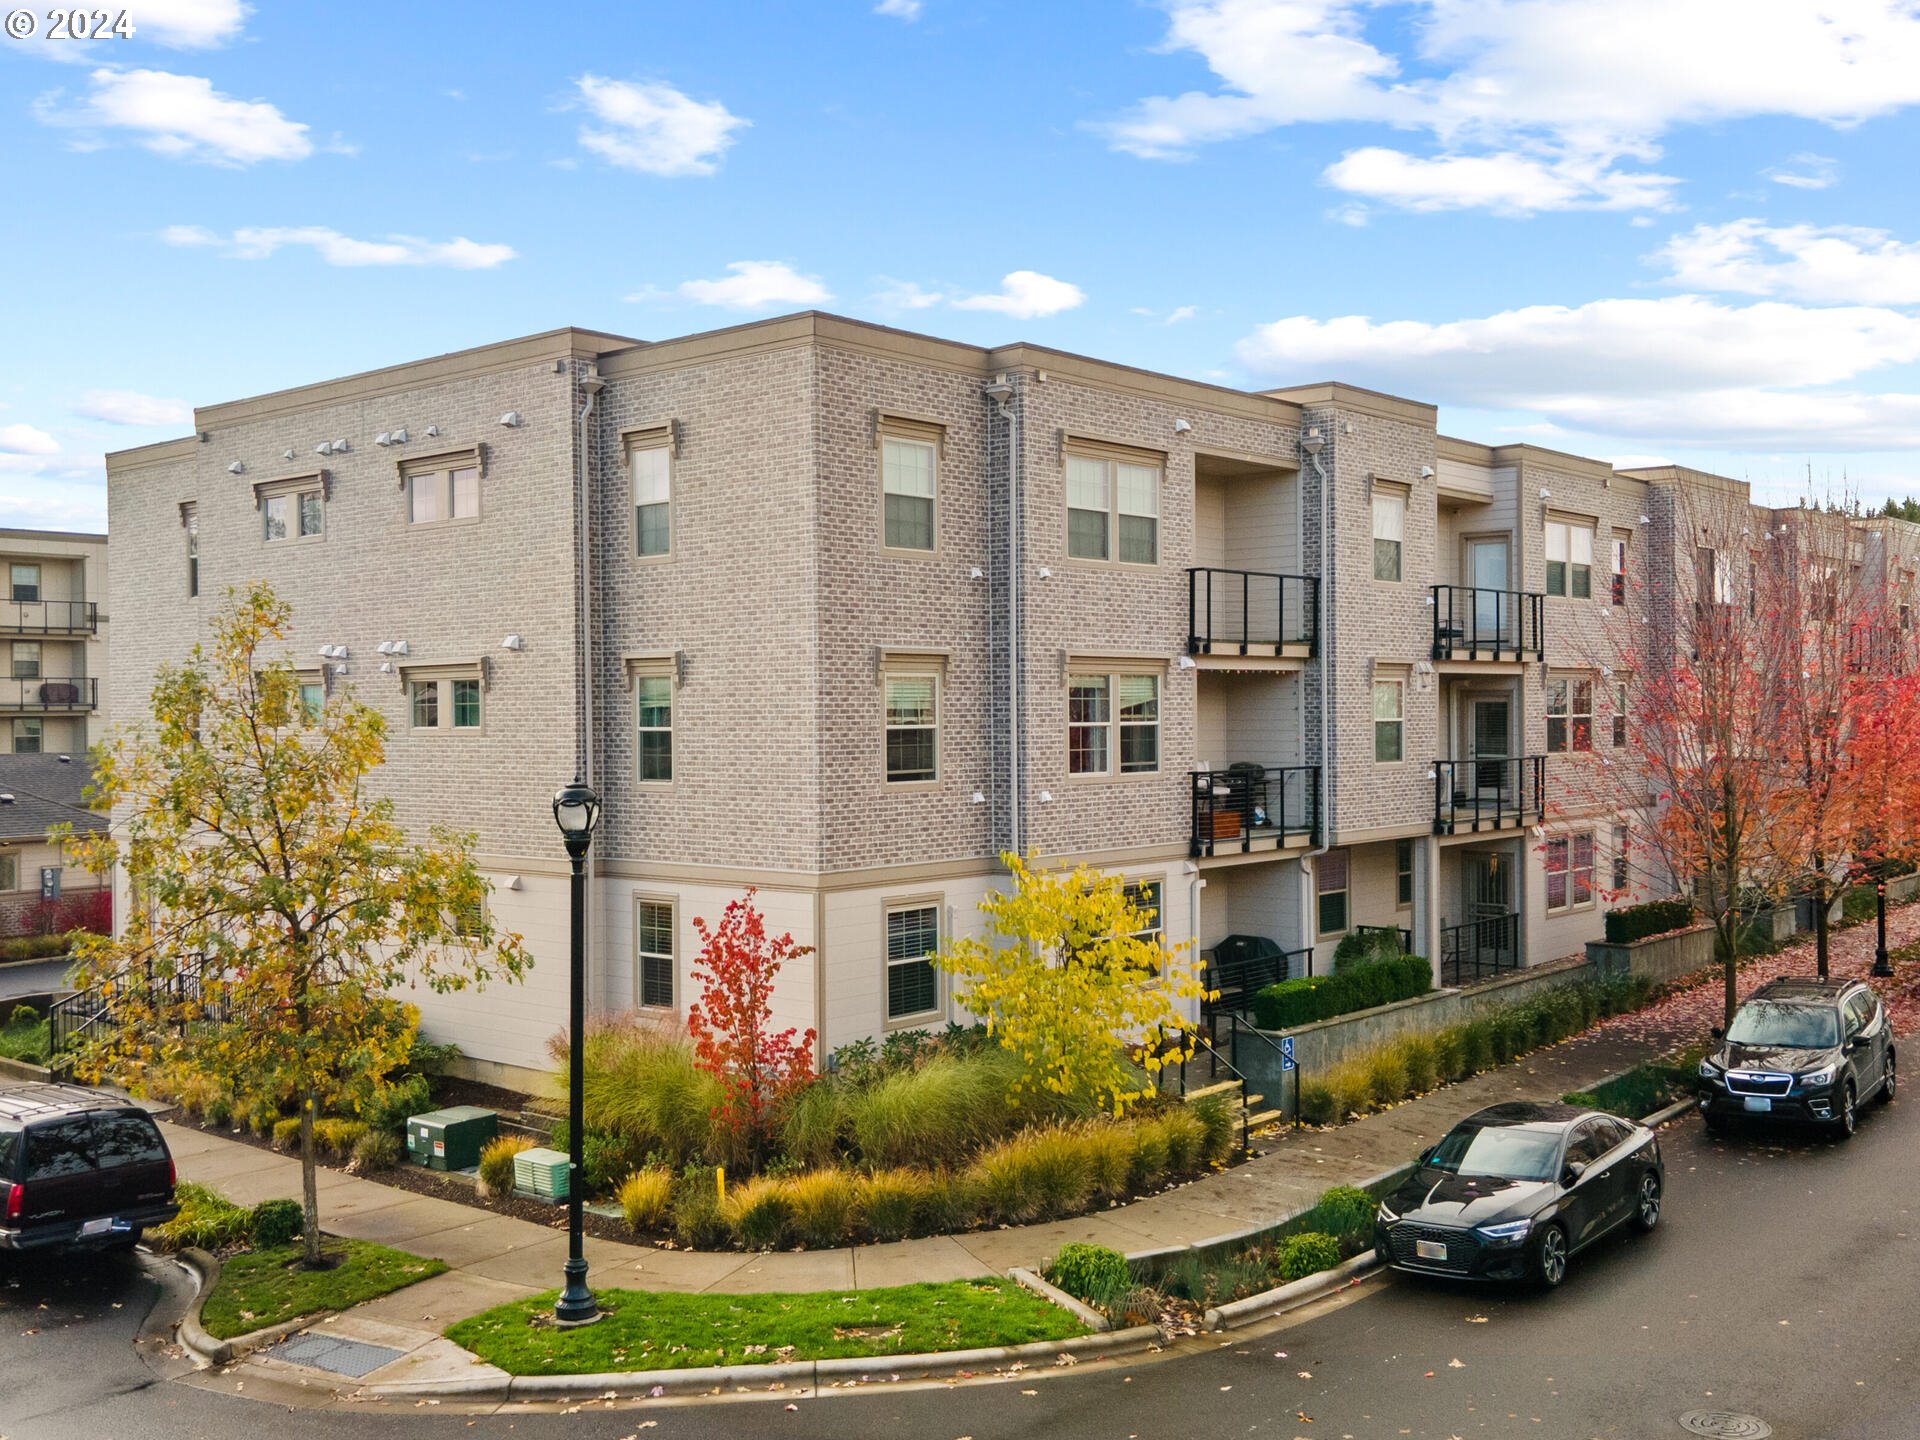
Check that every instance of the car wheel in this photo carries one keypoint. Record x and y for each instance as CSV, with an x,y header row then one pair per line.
x,y
1646,1207
1848,1120
1886,1086
1549,1257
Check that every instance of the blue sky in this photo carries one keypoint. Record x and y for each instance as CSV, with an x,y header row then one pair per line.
x,y
1638,229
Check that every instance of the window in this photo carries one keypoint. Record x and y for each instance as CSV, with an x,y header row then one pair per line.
x,y
1713,579
1621,872
1403,873
466,704
1619,713
1144,896
27,735
9,870
1330,891
1389,720
653,952
650,465
1569,559
913,937
444,489
1619,570
1586,1144
190,516
26,659
653,721
26,581
1110,496
1139,724
1091,703
425,696
1569,715
1389,532
912,728
1569,871
313,698
292,513
62,1148
1089,725
908,472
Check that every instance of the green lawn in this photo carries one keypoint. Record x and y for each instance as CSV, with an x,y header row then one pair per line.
x,y
257,1288
24,1036
647,1331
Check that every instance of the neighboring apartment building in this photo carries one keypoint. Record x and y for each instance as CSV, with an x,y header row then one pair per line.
x,y
863,609
53,630
39,890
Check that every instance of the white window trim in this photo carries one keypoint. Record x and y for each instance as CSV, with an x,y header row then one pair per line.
x,y
1567,837
894,905
1570,525
1113,724
654,667
1572,679
1113,456
887,727
442,465
664,436
914,432
672,902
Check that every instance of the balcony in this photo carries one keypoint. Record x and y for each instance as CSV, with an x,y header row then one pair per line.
x,y
49,617
1475,795
1252,613
1479,950
37,694
1470,624
1249,807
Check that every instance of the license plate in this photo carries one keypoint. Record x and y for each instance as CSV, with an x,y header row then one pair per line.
x,y
96,1227
1759,1102
1429,1250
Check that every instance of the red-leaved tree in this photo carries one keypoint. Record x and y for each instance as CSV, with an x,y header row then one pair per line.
x,y
757,1066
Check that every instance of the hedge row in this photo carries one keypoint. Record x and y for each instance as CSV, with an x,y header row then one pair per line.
x,y
1293,1003
1655,917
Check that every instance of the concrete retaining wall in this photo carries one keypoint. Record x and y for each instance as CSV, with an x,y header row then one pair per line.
x,y
1661,958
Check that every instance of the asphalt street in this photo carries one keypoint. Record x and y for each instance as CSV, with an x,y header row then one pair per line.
x,y
32,977
1780,1284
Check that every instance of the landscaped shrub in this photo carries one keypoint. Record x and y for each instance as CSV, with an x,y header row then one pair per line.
x,y
813,1128
336,1136
1345,1212
646,1197
1034,1175
950,1202
274,1222
375,1151
697,1221
1318,1103
1185,1138
286,1133
1386,1075
606,1159
26,1036
1352,1087
1420,1056
1654,917
1147,1155
938,1114
1218,1126
759,1212
391,1106
1359,947
890,1201
1361,986
496,1162
1307,1254
1090,1273
207,1221
1109,1157
643,1085
823,1205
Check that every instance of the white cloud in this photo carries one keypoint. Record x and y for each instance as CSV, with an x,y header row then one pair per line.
x,y
257,242
899,9
754,285
130,407
1026,295
1680,368
25,440
1507,182
1842,264
1592,81
179,116
1180,313
905,295
1806,171
654,128
66,500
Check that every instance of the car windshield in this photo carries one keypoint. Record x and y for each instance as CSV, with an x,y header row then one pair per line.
x,y
1772,1022
1498,1152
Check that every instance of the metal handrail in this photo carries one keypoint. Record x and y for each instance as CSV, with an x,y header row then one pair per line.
x,y
1248,802
1403,936
38,617
49,692
1235,611
1488,624
1488,794
1216,1062
1479,949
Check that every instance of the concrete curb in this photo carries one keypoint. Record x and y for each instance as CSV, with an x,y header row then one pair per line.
x,y
1671,1112
809,1373
1292,1295
193,1335
1086,1314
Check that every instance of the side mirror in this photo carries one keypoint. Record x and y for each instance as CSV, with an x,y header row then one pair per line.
x,y
1571,1175
1718,1032
1857,1042
1427,1154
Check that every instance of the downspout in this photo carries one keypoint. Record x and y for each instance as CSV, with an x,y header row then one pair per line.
x,y
1312,442
590,387
1001,393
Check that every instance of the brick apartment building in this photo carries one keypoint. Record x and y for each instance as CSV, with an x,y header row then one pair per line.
x,y
862,609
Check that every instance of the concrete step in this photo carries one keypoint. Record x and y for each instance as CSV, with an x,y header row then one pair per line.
x,y
1265,1119
1220,1087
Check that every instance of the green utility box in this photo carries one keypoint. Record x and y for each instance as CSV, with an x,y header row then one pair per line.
x,y
541,1174
451,1139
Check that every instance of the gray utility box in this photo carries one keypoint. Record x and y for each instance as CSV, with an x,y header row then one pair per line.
x,y
451,1139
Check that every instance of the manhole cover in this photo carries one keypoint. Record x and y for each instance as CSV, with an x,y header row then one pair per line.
x,y
347,1357
1725,1425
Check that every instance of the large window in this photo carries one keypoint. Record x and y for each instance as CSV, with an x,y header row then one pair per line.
x,y
1569,559
25,580
28,735
443,490
1089,725
1139,723
1330,892
1389,532
653,953
913,731
1569,861
1107,498
1403,873
1389,720
26,659
909,477
913,985
650,465
1569,714
653,726
292,513
442,701
1096,706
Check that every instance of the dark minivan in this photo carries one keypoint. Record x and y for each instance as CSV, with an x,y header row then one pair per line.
x,y
79,1169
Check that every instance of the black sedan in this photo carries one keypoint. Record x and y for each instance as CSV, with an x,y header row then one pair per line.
x,y
1515,1189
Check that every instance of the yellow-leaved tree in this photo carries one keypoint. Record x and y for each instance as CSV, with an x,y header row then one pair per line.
x,y
275,903
1074,978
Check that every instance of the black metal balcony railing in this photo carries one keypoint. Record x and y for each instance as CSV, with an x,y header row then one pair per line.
x,y
43,693
1470,624
49,617
1248,807
1488,794
1401,936
1479,950
1249,612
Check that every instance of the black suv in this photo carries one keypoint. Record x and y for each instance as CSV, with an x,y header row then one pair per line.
x,y
1807,1050
79,1169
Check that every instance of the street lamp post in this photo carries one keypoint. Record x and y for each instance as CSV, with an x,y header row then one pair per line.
x,y
575,808
1882,964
